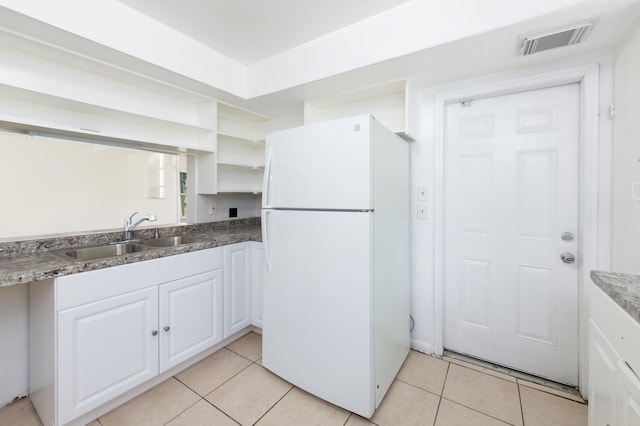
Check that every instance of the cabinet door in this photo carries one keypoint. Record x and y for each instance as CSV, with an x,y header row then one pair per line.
x,y
237,288
257,272
602,376
191,317
104,349
628,396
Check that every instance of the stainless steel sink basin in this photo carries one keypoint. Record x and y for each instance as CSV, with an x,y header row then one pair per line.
x,y
102,252
171,241
117,249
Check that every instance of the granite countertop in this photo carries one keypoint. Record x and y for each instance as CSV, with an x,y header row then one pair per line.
x,y
31,260
624,289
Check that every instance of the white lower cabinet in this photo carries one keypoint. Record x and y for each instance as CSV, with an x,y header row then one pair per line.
x,y
104,349
614,345
96,335
237,287
190,317
628,396
257,273
602,376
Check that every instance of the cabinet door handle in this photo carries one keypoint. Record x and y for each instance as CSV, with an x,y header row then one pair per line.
x,y
154,333
167,328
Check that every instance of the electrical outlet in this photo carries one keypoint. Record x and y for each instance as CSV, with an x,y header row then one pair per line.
x,y
422,193
422,211
213,209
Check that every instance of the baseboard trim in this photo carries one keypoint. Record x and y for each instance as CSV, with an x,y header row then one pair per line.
x,y
421,346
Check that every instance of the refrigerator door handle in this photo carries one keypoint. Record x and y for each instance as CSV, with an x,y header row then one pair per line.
x,y
265,239
266,184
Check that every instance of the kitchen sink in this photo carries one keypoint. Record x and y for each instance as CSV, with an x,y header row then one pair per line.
x,y
117,249
101,252
171,241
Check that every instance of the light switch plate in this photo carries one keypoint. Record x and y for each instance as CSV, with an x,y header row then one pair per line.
x,y
635,191
423,192
422,211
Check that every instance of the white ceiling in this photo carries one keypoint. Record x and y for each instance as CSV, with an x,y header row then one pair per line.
x,y
423,47
251,30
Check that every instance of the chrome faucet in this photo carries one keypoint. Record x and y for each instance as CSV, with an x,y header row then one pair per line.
x,y
129,227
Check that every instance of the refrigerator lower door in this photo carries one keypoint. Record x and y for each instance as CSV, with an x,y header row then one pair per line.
x,y
318,304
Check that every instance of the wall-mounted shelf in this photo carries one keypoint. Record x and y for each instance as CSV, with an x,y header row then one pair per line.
x,y
238,164
240,152
55,92
390,103
25,111
241,124
234,178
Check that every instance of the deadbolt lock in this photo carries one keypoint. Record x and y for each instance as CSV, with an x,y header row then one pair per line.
x,y
567,236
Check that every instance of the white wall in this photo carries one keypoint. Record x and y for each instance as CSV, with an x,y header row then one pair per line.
x,y
626,156
248,205
53,187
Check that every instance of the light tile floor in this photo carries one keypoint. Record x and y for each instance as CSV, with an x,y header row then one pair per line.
x,y
231,387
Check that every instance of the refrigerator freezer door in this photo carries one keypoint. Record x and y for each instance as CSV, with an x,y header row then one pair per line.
x,y
318,315
320,166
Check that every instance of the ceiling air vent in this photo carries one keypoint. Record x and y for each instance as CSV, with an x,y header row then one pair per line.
x,y
537,42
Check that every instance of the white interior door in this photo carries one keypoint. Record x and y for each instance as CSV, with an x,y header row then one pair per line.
x,y
511,192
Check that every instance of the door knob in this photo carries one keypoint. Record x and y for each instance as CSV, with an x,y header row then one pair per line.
x,y
567,257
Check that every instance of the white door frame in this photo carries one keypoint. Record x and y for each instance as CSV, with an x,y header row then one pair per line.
x,y
587,77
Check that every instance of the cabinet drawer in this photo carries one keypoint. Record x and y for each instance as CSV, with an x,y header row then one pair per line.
x,y
622,330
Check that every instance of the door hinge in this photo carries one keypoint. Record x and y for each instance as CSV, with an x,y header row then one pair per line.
x,y
612,111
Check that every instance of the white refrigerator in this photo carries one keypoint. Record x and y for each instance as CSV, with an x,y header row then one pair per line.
x,y
335,223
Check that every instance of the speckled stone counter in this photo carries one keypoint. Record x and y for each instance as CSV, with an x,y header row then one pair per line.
x,y
24,261
622,288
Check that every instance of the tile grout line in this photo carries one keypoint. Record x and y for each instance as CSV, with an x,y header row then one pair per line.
x,y
231,378
515,375
347,421
221,384
435,418
520,400
214,406
471,408
237,353
479,412
214,389
274,404
419,388
189,407
541,388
